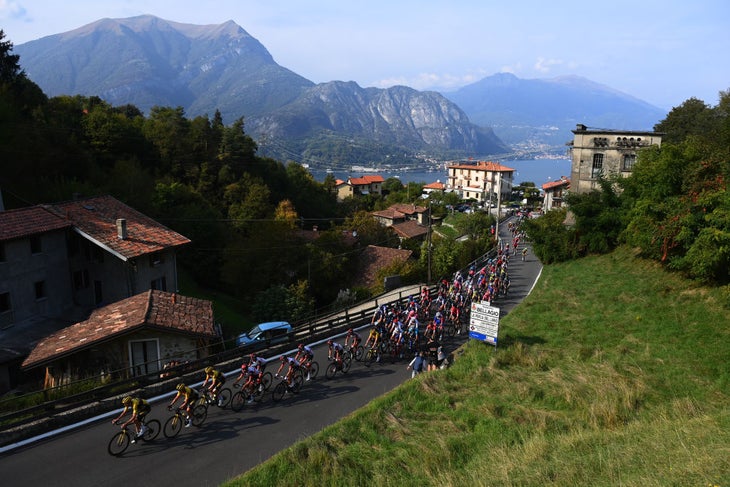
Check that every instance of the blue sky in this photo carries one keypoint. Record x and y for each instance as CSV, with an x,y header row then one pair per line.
x,y
662,52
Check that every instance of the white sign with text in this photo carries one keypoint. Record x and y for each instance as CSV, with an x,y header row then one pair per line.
x,y
484,322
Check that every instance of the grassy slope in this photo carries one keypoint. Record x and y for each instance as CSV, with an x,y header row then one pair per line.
x,y
612,372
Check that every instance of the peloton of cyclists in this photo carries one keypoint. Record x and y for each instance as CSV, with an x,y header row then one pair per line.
x,y
293,365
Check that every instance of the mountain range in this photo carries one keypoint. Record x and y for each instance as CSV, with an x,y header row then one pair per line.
x,y
147,61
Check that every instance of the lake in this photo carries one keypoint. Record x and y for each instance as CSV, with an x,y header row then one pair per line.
x,y
538,171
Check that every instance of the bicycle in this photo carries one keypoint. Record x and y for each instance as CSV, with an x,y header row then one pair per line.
x,y
241,398
121,439
283,387
371,355
312,368
342,365
222,399
175,422
355,353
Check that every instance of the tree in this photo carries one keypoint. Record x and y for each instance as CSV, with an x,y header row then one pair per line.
x,y
10,70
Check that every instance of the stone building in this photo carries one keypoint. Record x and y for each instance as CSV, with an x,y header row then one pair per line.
x,y
605,152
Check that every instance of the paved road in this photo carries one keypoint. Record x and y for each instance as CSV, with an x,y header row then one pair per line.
x,y
228,443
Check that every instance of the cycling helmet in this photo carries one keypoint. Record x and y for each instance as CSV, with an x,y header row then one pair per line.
x,y
329,342
301,346
209,370
350,331
180,386
127,400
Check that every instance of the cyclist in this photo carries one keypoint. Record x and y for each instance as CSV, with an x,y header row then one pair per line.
x,y
217,379
334,351
253,376
293,365
304,356
373,341
352,340
139,409
257,361
189,396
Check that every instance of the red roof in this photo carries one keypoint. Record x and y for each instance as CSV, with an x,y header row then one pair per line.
x,y
156,309
563,181
366,180
390,214
438,185
25,222
408,209
483,166
97,218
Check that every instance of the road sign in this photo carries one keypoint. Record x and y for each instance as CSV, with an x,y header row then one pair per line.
x,y
484,322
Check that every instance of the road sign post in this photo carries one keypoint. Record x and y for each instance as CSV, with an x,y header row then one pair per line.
x,y
484,323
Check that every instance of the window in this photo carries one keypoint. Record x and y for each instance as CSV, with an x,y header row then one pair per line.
x,y
144,357
4,302
159,284
597,169
40,289
628,162
35,244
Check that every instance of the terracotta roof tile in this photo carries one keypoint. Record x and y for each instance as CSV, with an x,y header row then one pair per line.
x,y
554,184
409,229
366,180
483,166
389,213
32,220
97,218
438,185
408,209
152,308
375,258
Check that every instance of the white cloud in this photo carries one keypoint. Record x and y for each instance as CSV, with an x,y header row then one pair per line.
x,y
432,81
543,65
10,9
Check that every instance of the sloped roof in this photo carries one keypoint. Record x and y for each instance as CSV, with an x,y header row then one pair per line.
x,y
150,309
389,213
409,229
25,222
555,184
408,209
482,166
96,218
366,180
375,258
437,185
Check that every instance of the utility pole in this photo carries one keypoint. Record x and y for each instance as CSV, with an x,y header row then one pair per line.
x,y
428,242
499,205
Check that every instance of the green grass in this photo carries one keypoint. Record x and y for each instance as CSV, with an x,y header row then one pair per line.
x,y
612,372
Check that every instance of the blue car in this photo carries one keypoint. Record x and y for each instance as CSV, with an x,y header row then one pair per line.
x,y
266,334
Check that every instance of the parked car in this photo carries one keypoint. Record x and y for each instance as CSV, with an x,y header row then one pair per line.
x,y
266,334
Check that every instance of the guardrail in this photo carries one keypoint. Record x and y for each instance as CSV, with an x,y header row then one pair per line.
x,y
56,413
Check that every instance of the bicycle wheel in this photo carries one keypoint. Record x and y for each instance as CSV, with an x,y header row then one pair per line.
x,y
199,415
173,426
266,380
359,352
279,391
331,370
313,370
370,357
153,429
119,443
346,364
296,383
224,397
238,401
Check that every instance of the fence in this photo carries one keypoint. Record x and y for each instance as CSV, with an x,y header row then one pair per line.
x,y
54,413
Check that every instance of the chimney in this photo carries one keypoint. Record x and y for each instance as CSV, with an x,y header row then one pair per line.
x,y
122,228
